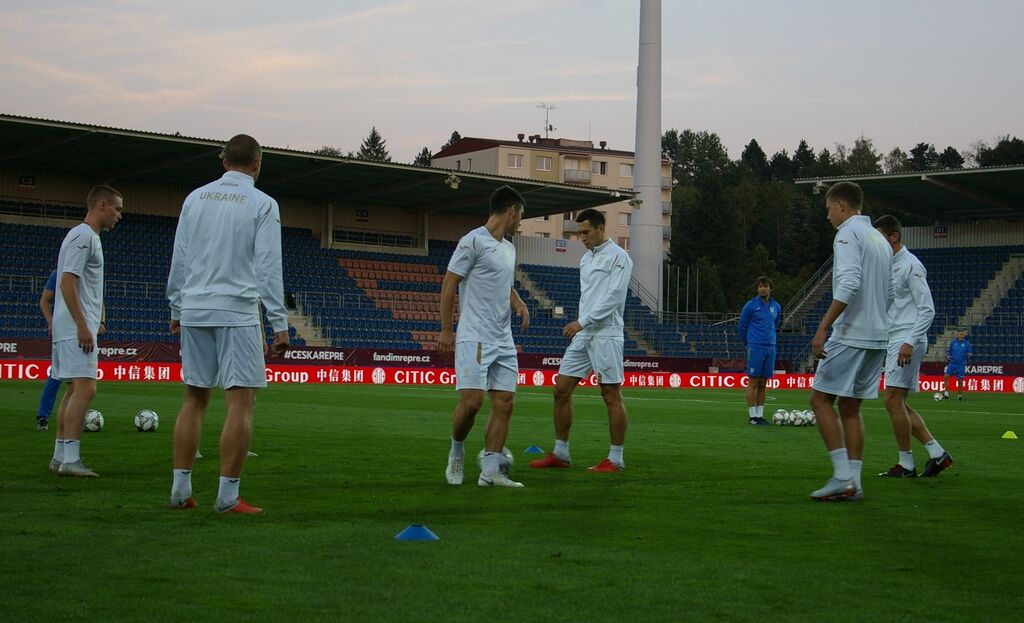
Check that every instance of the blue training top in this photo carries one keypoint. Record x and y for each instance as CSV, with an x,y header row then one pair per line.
x,y
958,351
758,322
51,283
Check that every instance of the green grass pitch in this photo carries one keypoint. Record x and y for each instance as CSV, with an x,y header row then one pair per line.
x,y
710,521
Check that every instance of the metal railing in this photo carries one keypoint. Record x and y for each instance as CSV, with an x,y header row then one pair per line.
x,y
797,300
577,176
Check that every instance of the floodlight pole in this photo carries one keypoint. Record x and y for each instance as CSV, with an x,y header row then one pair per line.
x,y
645,230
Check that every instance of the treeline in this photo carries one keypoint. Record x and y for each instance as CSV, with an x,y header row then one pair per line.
x,y
733,220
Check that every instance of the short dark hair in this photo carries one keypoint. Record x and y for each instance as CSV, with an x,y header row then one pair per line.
x,y
847,192
889,224
241,151
763,280
100,193
504,198
592,216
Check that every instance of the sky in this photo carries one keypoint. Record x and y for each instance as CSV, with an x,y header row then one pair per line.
x,y
309,73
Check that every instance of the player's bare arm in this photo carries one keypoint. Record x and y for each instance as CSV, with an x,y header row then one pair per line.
x,y
446,341
519,307
69,288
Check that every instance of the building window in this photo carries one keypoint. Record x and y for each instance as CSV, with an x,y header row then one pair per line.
x,y
515,161
570,216
625,218
469,164
543,163
458,165
625,170
572,164
623,242
545,234
599,167
547,217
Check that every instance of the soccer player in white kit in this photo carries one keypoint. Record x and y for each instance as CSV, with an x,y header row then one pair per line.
x,y
910,316
483,270
597,343
227,259
851,360
77,314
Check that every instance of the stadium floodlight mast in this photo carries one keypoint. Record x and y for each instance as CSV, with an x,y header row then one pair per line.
x,y
547,122
646,228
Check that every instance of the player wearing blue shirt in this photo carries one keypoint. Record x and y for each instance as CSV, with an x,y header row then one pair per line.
x,y
957,355
52,386
758,322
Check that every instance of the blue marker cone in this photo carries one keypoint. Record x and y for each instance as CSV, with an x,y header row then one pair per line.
x,y
533,450
416,532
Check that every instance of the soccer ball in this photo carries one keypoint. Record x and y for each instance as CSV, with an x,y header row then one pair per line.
x,y
810,417
504,466
93,421
798,418
147,421
780,417
937,396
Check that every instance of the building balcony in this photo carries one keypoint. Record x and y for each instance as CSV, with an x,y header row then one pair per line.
x,y
666,183
666,207
570,226
576,176
666,232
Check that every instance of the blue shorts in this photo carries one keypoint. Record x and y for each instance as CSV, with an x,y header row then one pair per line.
x,y
959,370
760,361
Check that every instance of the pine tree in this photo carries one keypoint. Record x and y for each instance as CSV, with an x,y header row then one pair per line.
x,y
374,147
423,158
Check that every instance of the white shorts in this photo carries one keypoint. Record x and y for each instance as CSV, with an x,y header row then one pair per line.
x,y
602,355
69,362
486,366
906,377
849,371
223,357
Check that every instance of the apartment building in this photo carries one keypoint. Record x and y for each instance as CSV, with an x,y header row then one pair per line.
x,y
560,160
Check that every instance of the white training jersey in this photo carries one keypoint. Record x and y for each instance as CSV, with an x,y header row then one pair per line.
x,y
605,271
81,254
227,257
487,267
862,278
912,308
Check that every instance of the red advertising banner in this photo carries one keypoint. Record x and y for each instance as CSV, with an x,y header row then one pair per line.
x,y
32,369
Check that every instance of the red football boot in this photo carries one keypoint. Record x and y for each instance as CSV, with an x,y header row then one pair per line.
x,y
551,460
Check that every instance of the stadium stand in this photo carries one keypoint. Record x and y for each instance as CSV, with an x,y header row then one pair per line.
x,y
373,299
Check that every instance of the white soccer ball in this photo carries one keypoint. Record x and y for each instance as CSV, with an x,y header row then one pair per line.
x,y
504,466
93,421
147,421
937,396
810,417
798,418
779,419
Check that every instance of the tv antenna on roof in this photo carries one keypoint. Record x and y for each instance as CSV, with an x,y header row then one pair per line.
x,y
547,123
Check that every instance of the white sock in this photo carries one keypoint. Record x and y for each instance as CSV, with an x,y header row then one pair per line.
x,y
228,491
490,464
855,467
840,464
72,450
58,450
934,449
615,455
562,449
907,459
945,393
458,450
181,489
759,409
752,412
